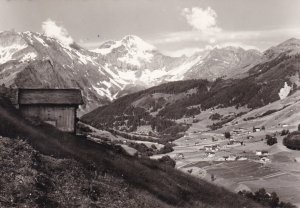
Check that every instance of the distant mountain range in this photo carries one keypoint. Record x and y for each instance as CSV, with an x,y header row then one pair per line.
x,y
165,108
116,68
139,62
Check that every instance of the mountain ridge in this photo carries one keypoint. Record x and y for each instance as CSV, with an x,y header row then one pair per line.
x,y
33,60
175,102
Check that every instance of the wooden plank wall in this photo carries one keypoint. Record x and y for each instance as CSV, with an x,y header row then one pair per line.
x,y
62,117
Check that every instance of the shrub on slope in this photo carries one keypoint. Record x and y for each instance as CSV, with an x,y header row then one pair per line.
x,y
292,141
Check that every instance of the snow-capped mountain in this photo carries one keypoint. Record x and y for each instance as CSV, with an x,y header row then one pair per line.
x,y
131,50
139,62
33,60
136,61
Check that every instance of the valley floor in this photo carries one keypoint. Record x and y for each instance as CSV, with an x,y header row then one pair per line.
x,y
238,167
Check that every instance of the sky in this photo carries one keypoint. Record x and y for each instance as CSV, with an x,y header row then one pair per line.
x,y
175,27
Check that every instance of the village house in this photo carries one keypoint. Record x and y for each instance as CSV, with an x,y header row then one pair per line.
x,y
261,153
225,157
258,152
265,152
232,142
231,158
256,129
215,148
57,107
240,158
237,131
179,156
221,159
264,159
212,148
284,125
207,148
228,158
210,154
214,139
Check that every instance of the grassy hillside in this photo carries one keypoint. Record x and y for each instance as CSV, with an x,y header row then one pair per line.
x,y
31,179
61,170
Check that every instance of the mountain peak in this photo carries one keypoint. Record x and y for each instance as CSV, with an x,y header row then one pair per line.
x,y
130,50
133,41
131,38
130,42
292,42
290,46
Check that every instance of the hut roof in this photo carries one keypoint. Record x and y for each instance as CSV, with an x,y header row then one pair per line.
x,y
50,96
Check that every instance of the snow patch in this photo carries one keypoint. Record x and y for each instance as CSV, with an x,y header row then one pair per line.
x,y
116,84
105,51
128,75
41,41
84,59
113,75
28,56
135,56
7,52
285,91
103,92
107,84
178,72
151,76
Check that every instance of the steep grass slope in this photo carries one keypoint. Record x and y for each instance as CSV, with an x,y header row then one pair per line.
x,y
31,179
158,185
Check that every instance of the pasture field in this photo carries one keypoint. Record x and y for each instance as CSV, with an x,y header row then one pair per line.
x,y
280,174
239,171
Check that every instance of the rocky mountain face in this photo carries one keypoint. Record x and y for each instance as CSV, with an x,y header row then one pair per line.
x,y
32,60
167,108
141,63
227,62
290,47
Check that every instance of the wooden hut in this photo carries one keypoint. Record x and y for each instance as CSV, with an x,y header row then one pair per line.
x,y
54,106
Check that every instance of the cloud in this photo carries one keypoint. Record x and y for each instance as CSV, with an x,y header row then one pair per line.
x,y
237,44
51,29
184,51
199,37
204,20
